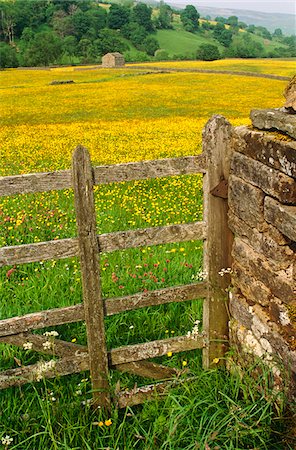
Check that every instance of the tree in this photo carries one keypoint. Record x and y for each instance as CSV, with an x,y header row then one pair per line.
x,y
67,5
189,18
232,21
165,16
208,52
220,19
62,24
118,16
242,25
97,19
222,35
161,55
245,47
81,23
150,45
277,32
109,41
251,29
44,49
69,45
86,49
8,56
141,14
135,33
262,31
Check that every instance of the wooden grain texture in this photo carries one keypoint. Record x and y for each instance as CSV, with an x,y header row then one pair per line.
x,y
41,319
82,176
217,147
153,349
39,251
63,349
43,182
152,236
148,369
183,165
75,313
35,182
157,297
66,248
116,356
137,396
80,361
58,347
27,374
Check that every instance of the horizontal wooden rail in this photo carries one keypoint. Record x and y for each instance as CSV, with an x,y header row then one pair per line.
x,y
48,181
75,313
122,355
119,240
64,349
139,395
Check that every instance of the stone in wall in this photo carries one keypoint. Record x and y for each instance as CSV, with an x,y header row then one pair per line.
x,y
266,148
280,282
271,181
280,256
254,290
282,217
278,119
290,95
247,202
260,336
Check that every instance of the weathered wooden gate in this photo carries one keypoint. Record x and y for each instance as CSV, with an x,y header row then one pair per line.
x,y
213,163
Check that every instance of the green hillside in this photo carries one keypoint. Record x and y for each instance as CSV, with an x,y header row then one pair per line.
x,y
35,33
180,42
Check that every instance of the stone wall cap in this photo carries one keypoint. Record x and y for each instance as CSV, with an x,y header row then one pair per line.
x,y
278,118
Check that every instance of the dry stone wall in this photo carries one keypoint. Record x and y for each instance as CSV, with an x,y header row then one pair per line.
x,y
262,216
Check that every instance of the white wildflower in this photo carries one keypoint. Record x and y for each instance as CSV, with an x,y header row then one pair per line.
x,y
43,367
195,331
6,440
52,397
51,333
47,345
28,345
199,276
225,271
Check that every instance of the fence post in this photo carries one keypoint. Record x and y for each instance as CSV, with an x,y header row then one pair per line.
x,y
82,178
217,247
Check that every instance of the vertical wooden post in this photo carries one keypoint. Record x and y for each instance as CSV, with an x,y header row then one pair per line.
x,y
217,247
82,178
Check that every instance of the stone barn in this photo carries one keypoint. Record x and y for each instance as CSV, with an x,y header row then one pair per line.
x,y
113,60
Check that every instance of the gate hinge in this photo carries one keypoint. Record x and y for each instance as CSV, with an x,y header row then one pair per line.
x,y
221,190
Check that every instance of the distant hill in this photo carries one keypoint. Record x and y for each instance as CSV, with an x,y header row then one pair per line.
x,y
287,22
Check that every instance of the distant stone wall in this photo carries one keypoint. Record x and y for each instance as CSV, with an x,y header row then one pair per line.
x,y
262,216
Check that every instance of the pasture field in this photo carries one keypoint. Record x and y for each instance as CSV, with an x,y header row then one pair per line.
x,y
121,115
283,67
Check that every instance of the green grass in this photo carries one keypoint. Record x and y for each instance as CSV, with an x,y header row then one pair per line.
x,y
180,42
209,409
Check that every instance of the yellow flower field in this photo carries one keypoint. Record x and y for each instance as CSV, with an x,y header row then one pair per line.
x,y
120,115
281,67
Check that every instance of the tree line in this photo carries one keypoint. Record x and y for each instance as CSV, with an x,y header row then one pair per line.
x,y
43,32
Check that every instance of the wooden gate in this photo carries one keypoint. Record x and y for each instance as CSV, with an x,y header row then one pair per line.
x,y
213,163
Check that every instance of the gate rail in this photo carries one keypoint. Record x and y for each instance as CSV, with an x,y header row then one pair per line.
x,y
213,163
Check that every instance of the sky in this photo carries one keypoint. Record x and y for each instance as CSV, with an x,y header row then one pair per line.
x,y
272,6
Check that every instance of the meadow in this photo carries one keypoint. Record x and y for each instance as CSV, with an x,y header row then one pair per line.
x,y
123,115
